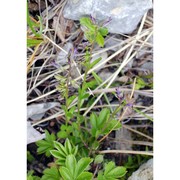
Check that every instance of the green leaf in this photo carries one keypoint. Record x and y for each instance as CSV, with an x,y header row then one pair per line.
x,y
90,84
49,137
33,42
85,176
103,117
30,157
70,100
57,154
86,21
62,134
82,165
117,172
100,39
51,174
85,96
65,173
95,62
98,159
60,148
74,151
71,164
98,79
100,176
112,172
113,124
93,120
109,167
103,31
44,146
68,146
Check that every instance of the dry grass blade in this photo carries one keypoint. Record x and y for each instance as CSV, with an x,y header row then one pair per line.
x,y
126,152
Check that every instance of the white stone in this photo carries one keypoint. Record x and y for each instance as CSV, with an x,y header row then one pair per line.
x,y
145,172
125,14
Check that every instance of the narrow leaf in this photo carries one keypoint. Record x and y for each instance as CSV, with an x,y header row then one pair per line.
x,y
71,164
65,173
85,176
82,165
100,39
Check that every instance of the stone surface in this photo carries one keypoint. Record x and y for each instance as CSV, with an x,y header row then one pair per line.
x,y
145,172
148,66
33,135
62,57
124,14
37,111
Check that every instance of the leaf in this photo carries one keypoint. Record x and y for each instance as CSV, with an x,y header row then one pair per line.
x,y
98,79
44,146
85,96
113,124
60,148
71,164
33,42
57,154
85,176
30,157
98,159
65,173
117,172
74,151
70,100
50,137
103,117
112,172
86,21
90,84
82,165
68,146
100,39
51,174
62,134
95,62
93,120
103,31
109,167
100,176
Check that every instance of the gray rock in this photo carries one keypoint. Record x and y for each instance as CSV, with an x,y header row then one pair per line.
x,y
147,66
113,44
124,14
37,111
33,135
62,57
145,172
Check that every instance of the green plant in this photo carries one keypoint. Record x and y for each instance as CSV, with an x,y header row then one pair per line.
x,y
30,157
44,146
36,29
93,32
74,159
30,176
68,168
62,152
111,172
51,174
102,124
74,170
140,83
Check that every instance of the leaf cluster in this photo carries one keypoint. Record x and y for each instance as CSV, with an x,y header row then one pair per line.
x,y
93,32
